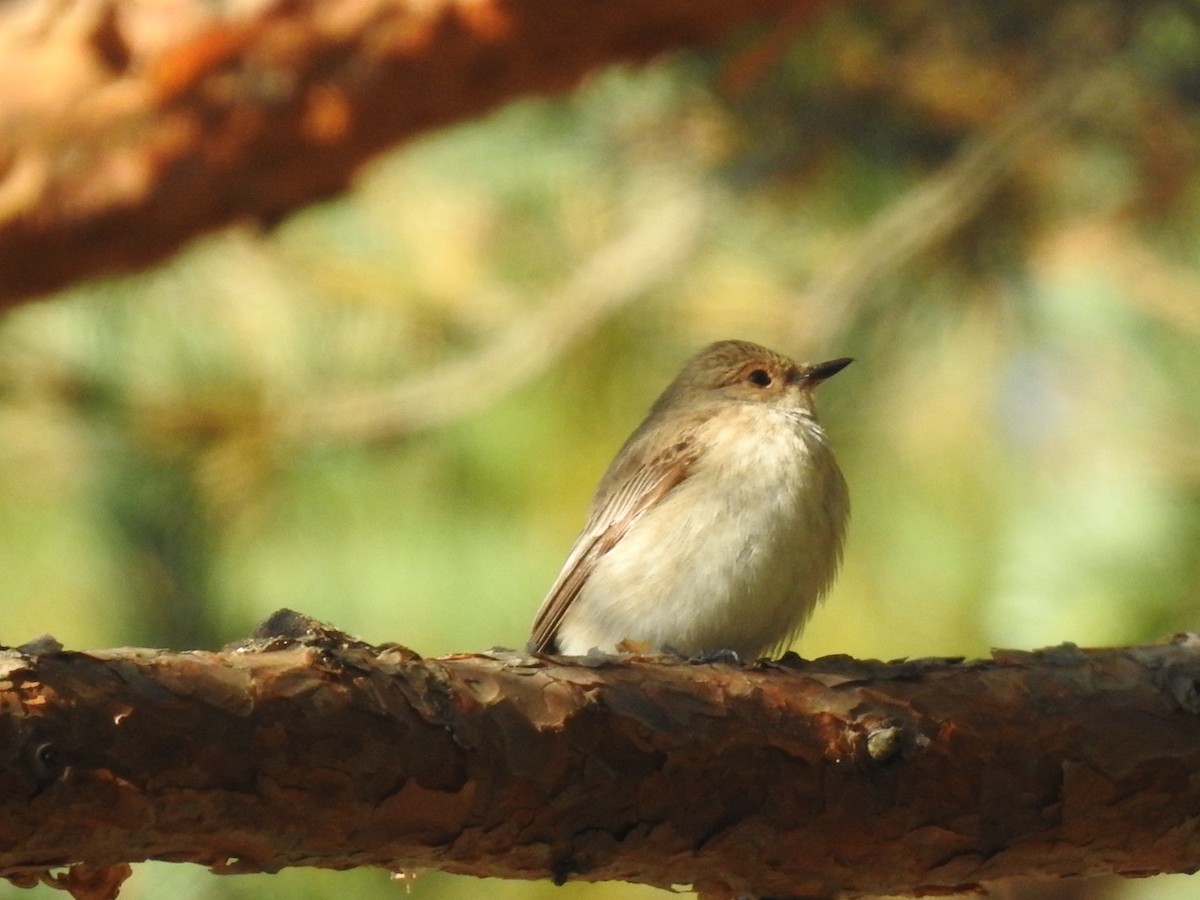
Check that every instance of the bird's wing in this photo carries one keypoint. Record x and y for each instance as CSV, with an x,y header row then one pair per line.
x,y
606,525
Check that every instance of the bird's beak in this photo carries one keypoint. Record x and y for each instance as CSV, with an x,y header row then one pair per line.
x,y
818,372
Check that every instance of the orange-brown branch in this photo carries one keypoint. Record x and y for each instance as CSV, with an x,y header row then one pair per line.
x,y
835,777
127,128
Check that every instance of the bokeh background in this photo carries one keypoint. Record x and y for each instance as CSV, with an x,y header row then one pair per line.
x,y
390,411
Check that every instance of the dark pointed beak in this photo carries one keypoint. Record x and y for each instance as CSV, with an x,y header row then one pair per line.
x,y
818,372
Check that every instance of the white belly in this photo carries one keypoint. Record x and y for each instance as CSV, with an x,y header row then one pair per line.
x,y
735,557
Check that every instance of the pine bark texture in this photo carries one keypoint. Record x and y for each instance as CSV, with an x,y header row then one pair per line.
x,y
128,127
832,777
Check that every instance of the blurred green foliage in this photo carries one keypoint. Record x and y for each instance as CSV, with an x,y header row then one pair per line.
x,y
1020,433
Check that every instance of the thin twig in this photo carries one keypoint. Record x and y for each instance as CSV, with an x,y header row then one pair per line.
x,y
930,212
646,254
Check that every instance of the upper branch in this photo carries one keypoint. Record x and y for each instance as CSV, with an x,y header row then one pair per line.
x,y
834,777
127,128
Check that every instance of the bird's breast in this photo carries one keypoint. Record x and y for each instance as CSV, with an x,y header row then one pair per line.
x,y
740,551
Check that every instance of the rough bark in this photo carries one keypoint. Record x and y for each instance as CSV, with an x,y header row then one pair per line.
x,y
834,777
127,127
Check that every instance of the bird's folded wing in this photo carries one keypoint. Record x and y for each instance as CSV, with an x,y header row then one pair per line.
x,y
607,523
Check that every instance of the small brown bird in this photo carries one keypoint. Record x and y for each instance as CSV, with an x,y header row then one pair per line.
x,y
720,523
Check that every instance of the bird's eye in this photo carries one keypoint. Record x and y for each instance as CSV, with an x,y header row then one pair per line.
x,y
760,377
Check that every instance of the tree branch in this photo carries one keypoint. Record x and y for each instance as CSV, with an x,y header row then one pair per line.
x,y
835,777
654,247
128,128
936,207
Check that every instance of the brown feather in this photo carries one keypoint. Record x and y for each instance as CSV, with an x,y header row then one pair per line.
x,y
607,523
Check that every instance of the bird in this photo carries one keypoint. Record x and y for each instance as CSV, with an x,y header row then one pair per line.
x,y
719,524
